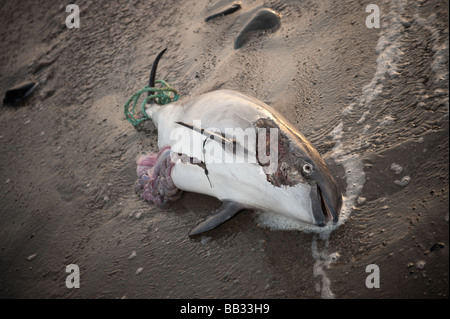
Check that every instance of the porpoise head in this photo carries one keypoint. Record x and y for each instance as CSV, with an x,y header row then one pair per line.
x,y
326,199
299,162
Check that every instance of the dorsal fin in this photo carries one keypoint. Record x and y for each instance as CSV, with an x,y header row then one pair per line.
x,y
151,82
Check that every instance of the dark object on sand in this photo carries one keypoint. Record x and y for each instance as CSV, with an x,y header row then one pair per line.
x,y
226,10
436,246
151,81
19,92
264,19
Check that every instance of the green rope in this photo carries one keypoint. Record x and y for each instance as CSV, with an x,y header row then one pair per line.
x,y
163,95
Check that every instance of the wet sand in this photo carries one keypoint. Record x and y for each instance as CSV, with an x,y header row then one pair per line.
x,y
366,98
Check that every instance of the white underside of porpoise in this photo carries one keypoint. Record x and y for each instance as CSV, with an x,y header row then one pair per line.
x,y
242,181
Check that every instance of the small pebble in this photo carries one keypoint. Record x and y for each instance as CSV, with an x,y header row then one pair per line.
x,y
139,270
31,257
334,257
133,254
361,200
396,168
403,182
420,264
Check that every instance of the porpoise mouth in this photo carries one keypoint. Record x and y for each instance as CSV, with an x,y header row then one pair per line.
x,y
326,204
325,210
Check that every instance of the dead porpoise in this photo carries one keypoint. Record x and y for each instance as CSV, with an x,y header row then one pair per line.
x,y
238,149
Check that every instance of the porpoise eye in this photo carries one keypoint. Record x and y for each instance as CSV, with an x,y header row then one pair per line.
x,y
307,168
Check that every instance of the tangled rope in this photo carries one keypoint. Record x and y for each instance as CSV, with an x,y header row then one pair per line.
x,y
161,95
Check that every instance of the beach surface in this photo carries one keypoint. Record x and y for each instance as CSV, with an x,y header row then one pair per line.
x,y
373,101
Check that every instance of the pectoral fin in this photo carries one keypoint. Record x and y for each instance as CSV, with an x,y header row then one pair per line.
x,y
218,217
